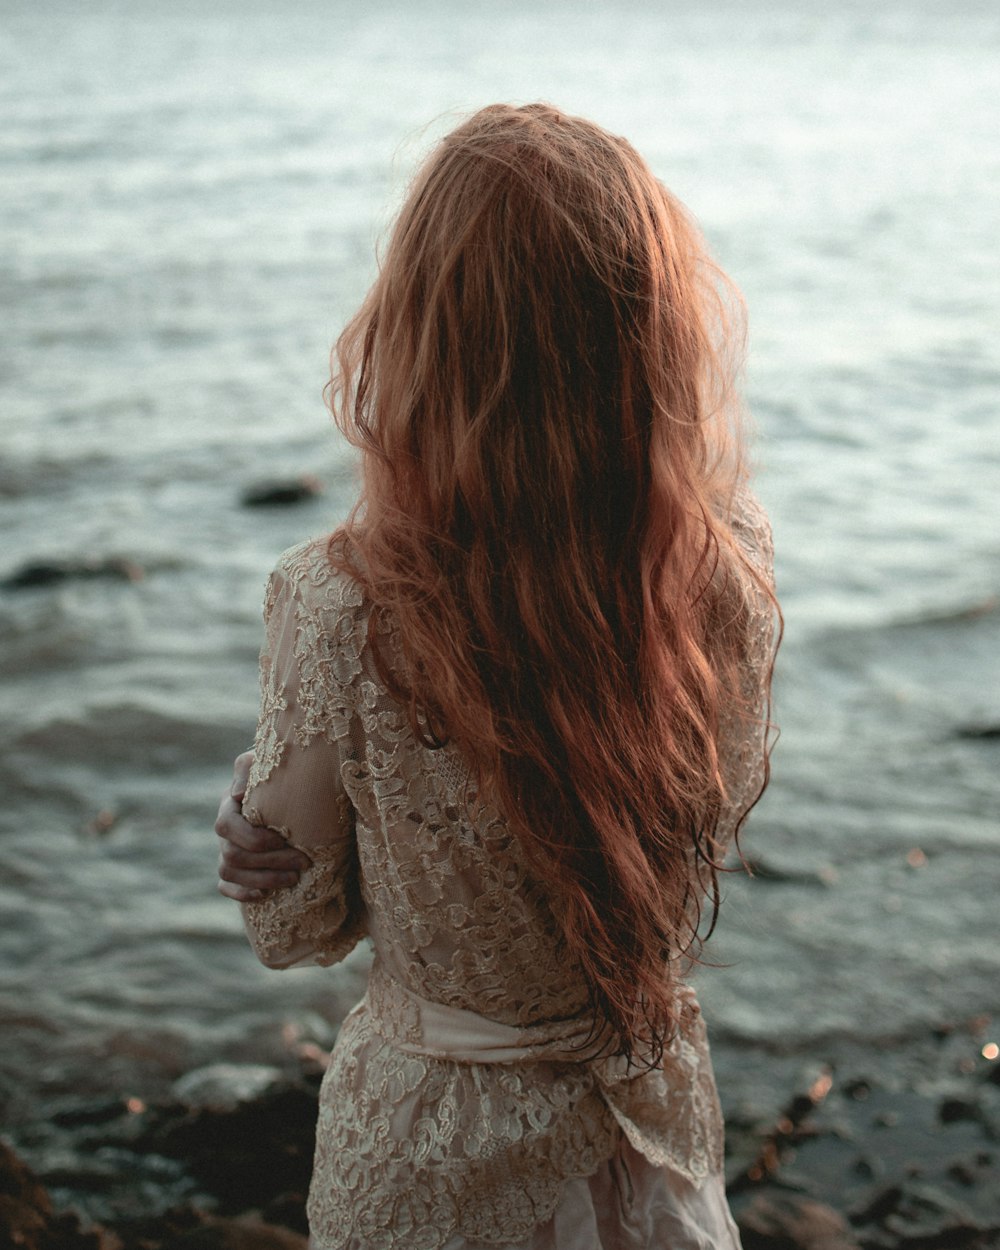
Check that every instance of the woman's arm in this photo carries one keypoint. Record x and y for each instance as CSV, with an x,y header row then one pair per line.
x,y
746,732
252,859
294,794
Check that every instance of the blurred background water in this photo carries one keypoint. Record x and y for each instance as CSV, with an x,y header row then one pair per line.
x,y
192,196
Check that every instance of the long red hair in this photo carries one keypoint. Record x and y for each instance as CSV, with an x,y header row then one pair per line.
x,y
540,383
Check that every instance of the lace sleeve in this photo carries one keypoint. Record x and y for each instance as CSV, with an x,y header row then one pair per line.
x,y
745,736
296,788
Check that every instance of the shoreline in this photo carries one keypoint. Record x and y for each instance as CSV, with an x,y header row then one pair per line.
x,y
877,1149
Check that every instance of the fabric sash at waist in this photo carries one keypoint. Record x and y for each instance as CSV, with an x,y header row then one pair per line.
x,y
419,1026
670,1112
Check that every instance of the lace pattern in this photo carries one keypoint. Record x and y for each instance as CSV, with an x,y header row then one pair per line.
x,y
453,1103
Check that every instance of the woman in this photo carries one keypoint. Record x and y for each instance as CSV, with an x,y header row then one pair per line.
x,y
514,710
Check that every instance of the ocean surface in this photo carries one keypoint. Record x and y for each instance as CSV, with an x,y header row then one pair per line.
x,y
192,196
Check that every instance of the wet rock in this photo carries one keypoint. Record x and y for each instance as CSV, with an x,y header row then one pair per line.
x,y
288,1210
151,1232
118,1186
919,1216
865,1169
764,870
788,1132
279,494
240,1234
962,1174
881,1205
25,1209
225,1086
89,1112
52,572
929,1218
978,733
27,1219
775,1221
246,1135
954,1109
90,1174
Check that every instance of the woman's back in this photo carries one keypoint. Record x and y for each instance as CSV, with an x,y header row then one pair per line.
x,y
471,1066
451,903
516,706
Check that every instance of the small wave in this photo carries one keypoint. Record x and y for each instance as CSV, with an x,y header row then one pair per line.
x,y
28,476
962,614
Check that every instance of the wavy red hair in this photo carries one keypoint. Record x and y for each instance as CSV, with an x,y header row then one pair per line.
x,y
540,384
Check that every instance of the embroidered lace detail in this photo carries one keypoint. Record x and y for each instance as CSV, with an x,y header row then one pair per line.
x,y
320,920
412,1149
268,746
672,1115
415,1145
742,743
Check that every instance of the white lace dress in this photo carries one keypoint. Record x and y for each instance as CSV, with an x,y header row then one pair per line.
x,y
455,1113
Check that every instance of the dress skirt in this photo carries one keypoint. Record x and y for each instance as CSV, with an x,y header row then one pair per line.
x,y
628,1204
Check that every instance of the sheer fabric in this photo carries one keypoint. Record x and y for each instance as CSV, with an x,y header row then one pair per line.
x,y
458,1109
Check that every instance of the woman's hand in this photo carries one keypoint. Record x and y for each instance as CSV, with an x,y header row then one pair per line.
x,y
252,860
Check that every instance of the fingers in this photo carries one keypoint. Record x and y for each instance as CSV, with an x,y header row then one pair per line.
x,y
232,827
288,860
242,893
247,885
247,876
253,860
241,774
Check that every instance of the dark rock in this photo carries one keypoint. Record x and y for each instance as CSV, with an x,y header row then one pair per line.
x,y
962,1174
927,1218
150,1231
789,1130
865,1170
25,1209
978,733
51,572
240,1234
288,1210
881,1205
27,1220
246,1151
775,1221
89,1112
280,494
953,1109
762,870
118,1186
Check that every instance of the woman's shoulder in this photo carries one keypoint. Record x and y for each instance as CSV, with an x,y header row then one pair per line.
x,y
316,582
752,529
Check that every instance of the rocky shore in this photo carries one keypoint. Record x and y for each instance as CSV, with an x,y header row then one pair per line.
x,y
903,1157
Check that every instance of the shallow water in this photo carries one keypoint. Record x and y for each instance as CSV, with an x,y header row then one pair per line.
x,y
192,199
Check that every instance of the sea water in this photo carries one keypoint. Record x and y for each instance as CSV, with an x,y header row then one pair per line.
x,y
192,200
